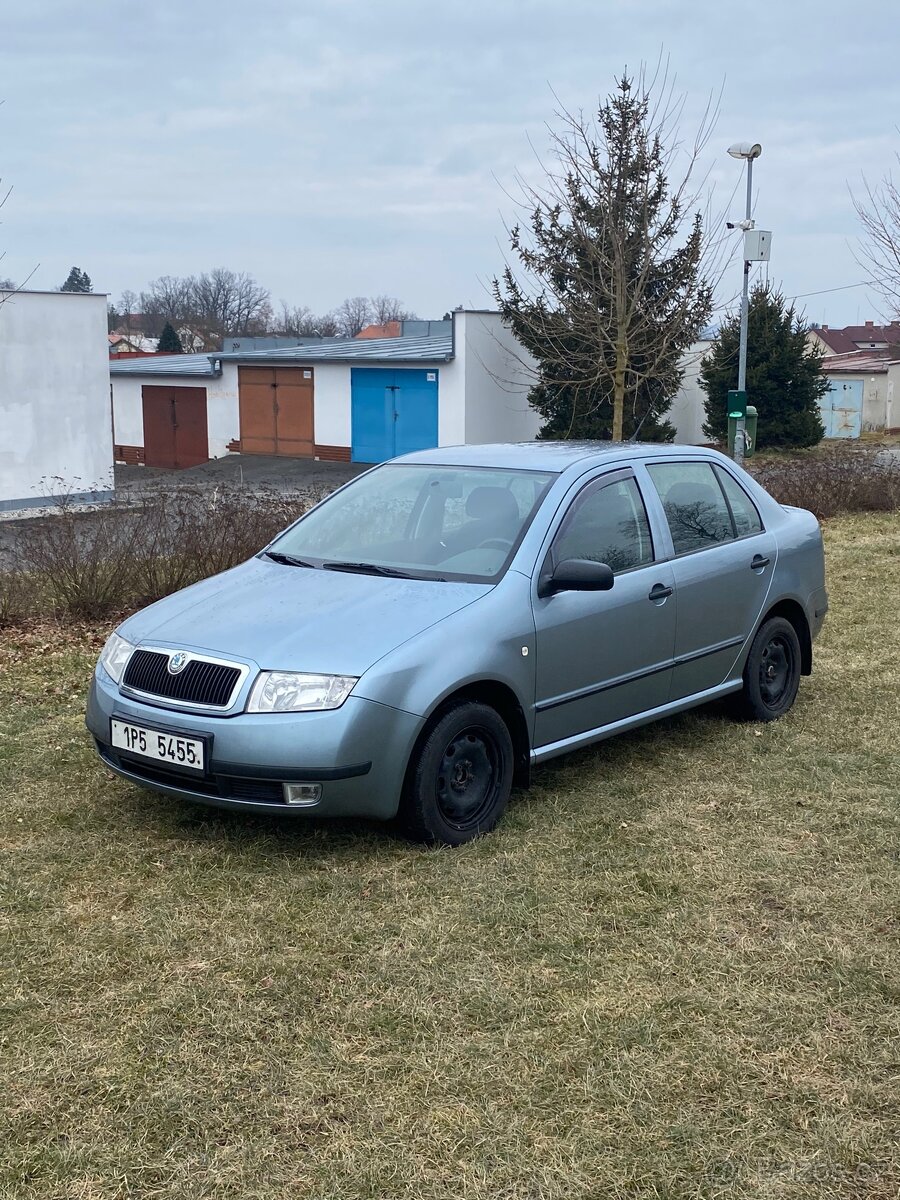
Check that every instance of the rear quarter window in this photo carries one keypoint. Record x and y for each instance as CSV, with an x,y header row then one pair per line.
x,y
746,516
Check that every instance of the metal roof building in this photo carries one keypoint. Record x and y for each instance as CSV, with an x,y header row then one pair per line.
x,y
397,350
361,399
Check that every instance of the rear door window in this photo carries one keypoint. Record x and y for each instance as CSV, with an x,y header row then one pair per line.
x,y
694,505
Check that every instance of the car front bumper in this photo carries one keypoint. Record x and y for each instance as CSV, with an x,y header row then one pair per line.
x,y
357,753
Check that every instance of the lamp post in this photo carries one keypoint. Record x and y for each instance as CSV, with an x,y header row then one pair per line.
x,y
747,151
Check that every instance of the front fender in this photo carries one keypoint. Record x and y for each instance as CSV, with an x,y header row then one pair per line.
x,y
491,640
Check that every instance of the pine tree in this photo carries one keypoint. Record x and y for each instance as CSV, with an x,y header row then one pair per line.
x,y
169,341
77,281
784,377
611,292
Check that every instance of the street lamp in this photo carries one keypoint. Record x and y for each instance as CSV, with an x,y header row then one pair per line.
x,y
748,151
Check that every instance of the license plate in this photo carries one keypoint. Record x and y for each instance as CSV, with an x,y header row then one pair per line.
x,y
186,753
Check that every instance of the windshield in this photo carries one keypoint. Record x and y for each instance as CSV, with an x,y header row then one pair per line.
x,y
424,521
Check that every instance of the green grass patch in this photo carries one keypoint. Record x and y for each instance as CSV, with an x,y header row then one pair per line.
x,y
671,973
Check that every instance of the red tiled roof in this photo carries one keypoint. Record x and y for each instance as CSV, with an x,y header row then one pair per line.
x,y
842,341
835,340
390,329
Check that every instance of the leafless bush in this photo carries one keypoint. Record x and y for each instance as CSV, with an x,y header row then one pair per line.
x,y
14,596
133,551
843,481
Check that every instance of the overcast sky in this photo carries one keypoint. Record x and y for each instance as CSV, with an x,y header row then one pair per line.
x,y
351,147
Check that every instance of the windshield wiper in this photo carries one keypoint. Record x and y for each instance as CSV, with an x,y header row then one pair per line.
x,y
364,568
287,559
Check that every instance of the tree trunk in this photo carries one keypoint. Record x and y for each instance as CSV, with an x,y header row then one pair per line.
x,y
619,388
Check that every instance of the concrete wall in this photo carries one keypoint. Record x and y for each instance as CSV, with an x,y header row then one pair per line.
x,y
688,413
498,375
54,397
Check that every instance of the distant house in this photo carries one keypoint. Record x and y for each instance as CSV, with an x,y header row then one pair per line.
x,y
869,336
142,332
863,393
862,363
135,344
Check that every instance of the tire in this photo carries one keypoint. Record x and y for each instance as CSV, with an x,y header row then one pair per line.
x,y
772,673
460,776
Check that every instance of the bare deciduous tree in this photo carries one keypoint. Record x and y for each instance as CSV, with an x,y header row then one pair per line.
x,y
388,308
301,321
168,298
327,325
229,302
213,305
878,209
615,278
353,315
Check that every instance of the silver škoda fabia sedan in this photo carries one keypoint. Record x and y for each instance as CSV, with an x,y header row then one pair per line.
x,y
416,641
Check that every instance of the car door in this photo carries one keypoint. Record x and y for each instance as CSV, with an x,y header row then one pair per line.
x,y
723,563
603,656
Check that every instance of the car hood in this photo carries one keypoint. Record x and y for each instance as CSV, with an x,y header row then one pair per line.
x,y
299,619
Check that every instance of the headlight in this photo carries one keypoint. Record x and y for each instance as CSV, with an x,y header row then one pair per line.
x,y
292,691
114,656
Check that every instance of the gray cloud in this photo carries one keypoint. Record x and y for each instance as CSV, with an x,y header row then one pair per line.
x,y
351,147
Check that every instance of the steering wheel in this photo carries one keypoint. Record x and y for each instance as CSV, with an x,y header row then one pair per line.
x,y
497,543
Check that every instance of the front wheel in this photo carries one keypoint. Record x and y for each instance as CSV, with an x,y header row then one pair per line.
x,y
772,673
460,778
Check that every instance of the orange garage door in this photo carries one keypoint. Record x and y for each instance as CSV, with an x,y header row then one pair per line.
x,y
276,407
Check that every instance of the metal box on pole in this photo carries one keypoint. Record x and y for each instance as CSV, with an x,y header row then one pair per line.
x,y
757,245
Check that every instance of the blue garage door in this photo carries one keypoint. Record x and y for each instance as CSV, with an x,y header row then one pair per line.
x,y
841,408
392,412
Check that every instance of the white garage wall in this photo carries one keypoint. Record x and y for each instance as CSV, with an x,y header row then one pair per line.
x,y
222,412
332,404
128,422
222,415
498,375
54,397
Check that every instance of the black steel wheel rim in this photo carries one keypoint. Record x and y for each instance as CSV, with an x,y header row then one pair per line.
x,y
776,670
469,778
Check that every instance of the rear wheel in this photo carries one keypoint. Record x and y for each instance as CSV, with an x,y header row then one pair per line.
x,y
459,782
772,673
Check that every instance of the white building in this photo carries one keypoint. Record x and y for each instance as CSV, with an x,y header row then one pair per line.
x,y
55,429
363,400
688,413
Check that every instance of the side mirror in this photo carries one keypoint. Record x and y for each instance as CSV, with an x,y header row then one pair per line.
x,y
577,575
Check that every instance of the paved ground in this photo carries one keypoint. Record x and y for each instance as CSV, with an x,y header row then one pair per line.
x,y
237,470
243,470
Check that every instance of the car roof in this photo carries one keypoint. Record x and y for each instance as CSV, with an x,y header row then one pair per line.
x,y
545,456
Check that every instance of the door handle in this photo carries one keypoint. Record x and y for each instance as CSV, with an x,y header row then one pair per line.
x,y
659,591
758,562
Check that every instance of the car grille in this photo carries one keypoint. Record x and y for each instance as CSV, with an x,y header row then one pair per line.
x,y
200,682
228,787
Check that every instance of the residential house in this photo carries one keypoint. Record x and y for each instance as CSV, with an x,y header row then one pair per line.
x,y
868,337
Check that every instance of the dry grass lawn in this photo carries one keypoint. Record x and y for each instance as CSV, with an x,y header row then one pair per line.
x,y
672,973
